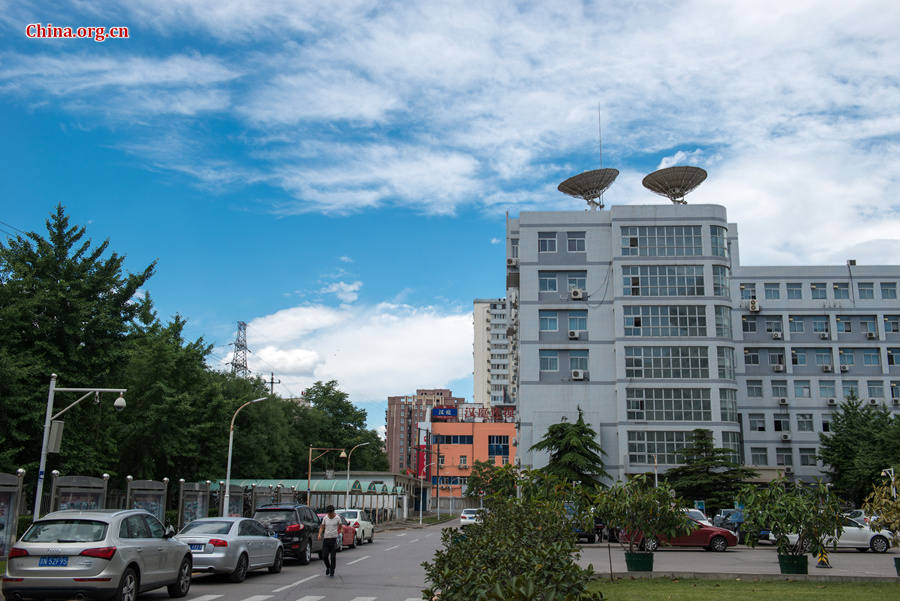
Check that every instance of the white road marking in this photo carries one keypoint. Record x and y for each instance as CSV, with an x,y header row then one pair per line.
x,y
258,598
311,598
402,534
392,548
429,534
363,599
415,540
292,585
414,599
350,563
206,597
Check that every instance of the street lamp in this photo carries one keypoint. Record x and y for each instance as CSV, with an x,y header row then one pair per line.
x,y
230,443
347,492
119,404
889,473
309,465
422,488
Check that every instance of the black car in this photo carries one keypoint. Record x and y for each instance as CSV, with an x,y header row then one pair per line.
x,y
296,525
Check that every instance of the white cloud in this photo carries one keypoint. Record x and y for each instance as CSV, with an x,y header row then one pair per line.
x,y
345,259
496,240
382,432
347,293
682,158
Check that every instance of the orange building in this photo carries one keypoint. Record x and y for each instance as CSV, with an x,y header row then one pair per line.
x,y
457,446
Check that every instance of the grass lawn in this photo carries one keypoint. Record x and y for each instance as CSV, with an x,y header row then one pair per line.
x,y
664,589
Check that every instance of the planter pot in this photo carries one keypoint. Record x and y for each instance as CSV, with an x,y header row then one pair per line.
x,y
639,562
897,565
793,564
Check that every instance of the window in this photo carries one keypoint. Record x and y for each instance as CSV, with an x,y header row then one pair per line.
x,y
748,324
728,405
843,324
546,281
546,242
549,360
578,360
725,357
514,248
892,324
451,439
888,290
826,423
794,290
662,280
866,290
666,320
826,389
134,527
666,362
871,356
748,290
779,388
807,456
776,356
823,356
577,279
798,356
850,388
804,422
717,236
548,321
895,390
784,456
757,422
774,324
668,404
463,460
498,446
157,530
732,442
841,290
578,321
772,291
819,324
575,242
867,323
662,241
817,290
751,356
759,456
846,357
723,322
876,389
796,324
802,389
664,446
720,280
893,356
754,389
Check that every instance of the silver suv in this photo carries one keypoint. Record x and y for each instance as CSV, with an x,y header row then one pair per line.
x,y
104,554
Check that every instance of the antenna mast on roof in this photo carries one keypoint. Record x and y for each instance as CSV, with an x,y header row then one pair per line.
x,y
590,185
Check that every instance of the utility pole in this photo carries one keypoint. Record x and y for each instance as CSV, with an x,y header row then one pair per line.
x,y
272,382
239,360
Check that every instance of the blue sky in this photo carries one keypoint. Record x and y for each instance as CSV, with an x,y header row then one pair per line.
x,y
337,174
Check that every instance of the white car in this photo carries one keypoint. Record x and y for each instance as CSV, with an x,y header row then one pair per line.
x,y
469,516
365,530
857,536
697,516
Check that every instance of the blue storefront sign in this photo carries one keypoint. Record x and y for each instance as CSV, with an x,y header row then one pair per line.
x,y
443,412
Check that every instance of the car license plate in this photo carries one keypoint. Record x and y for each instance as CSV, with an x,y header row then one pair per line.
x,y
53,561
197,547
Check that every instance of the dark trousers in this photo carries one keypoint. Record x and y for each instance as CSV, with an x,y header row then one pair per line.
x,y
329,553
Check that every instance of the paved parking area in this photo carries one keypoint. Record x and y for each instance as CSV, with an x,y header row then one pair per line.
x,y
741,560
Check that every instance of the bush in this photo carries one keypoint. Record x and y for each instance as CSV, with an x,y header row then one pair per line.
x,y
172,518
883,504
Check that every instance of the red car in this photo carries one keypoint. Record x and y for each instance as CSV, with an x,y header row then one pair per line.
x,y
710,538
349,533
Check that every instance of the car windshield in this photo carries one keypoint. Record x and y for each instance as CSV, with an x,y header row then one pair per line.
x,y
268,517
350,515
470,511
199,527
696,514
66,531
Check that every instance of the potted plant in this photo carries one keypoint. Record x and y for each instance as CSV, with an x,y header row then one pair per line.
x,y
801,518
884,507
642,513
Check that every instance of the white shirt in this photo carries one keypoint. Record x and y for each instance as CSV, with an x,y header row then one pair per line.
x,y
331,525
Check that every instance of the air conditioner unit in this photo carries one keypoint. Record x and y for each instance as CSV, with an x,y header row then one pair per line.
x,y
827,369
845,369
578,374
463,466
785,437
871,335
873,401
788,469
573,334
832,402
512,262
576,294
754,306
823,335
778,368
782,401
777,335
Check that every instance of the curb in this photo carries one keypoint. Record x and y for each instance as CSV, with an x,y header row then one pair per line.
x,y
739,576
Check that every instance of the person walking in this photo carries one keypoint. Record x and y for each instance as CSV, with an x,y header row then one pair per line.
x,y
329,530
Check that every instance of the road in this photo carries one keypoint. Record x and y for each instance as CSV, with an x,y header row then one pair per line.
x,y
387,570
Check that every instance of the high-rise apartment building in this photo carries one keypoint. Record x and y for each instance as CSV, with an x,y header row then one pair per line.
x,y
643,316
492,375
402,420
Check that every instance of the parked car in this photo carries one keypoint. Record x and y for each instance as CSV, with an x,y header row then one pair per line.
x,y
97,555
348,533
721,519
297,527
710,538
581,531
856,535
470,515
860,516
697,516
365,530
232,546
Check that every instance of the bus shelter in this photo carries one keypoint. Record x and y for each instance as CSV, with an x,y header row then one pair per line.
x,y
193,501
84,493
331,492
285,494
10,500
149,495
261,495
235,500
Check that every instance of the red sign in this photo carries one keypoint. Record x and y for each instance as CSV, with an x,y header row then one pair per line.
x,y
495,414
421,461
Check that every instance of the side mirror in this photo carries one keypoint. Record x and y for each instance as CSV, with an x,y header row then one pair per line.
x,y
170,532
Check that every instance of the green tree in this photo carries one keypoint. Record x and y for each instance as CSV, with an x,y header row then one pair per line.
x,y
575,454
487,479
708,472
862,441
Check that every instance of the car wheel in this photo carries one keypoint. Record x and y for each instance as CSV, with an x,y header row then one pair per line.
x,y
650,544
128,586
275,568
306,556
879,544
240,570
355,541
372,536
181,586
718,544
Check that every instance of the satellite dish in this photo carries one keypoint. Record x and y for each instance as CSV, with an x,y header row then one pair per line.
x,y
675,182
590,185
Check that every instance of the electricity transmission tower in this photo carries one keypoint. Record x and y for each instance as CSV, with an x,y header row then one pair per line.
x,y
239,360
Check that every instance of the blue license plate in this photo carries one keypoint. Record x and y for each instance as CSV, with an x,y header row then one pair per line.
x,y
197,547
53,561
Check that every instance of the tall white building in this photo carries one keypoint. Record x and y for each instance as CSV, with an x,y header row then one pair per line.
x,y
492,352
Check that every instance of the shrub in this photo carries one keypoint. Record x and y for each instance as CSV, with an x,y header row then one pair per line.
x,y
883,504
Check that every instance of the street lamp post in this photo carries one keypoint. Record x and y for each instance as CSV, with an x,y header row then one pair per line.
x,y
347,492
422,489
309,465
119,404
889,472
230,444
